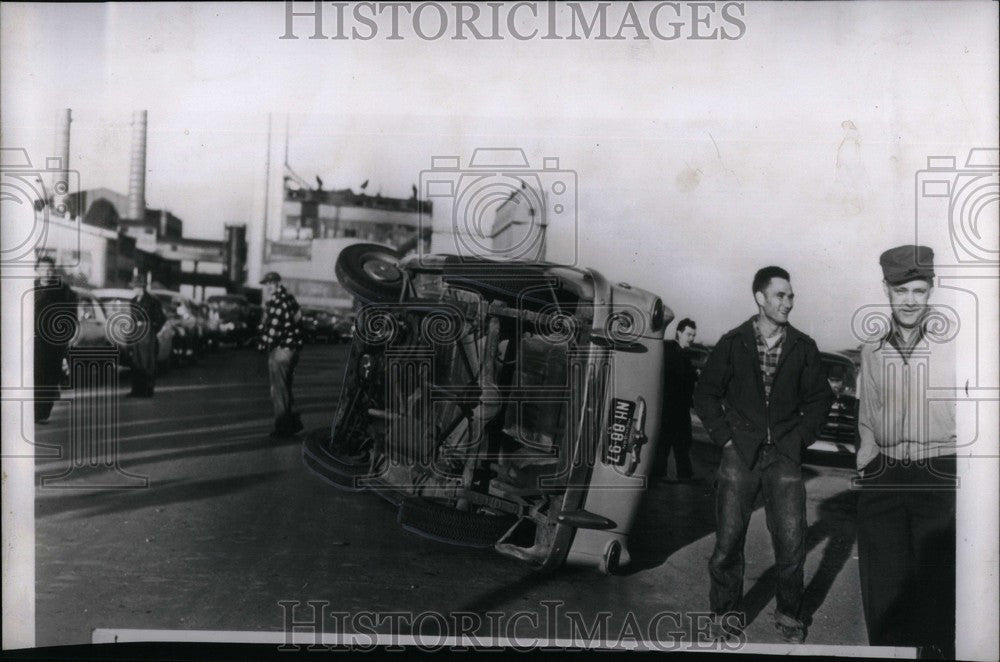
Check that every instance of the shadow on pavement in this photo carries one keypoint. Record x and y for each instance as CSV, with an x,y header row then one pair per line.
x,y
90,503
674,515
836,524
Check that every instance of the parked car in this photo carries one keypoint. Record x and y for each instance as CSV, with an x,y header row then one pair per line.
x,y
699,355
117,301
345,324
319,324
498,404
189,342
235,324
209,319
92,322
91,328
840,431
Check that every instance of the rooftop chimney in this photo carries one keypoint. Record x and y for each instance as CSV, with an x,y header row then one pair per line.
x,y
60,179
137,174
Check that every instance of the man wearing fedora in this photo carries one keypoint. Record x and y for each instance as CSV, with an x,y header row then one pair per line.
x,y
147,314
906,457
280,337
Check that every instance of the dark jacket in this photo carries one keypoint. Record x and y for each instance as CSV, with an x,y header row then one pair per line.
x,y
679,378
281,324
152,310
729,398
55,314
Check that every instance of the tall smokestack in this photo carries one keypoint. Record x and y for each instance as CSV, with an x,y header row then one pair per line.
x,y
137,174
60,180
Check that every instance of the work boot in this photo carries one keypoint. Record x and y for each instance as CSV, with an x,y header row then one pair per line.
x,y
790,629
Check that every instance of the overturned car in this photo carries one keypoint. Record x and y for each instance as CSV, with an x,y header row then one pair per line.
x,y
498,404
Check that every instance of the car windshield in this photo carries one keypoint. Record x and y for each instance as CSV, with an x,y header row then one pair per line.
x,y
840,371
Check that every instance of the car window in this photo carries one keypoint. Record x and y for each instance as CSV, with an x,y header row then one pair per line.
x,y
840,371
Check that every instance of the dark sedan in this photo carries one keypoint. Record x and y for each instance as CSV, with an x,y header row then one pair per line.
x,y
320,325
840,432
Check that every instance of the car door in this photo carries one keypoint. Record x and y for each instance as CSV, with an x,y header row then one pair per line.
x,y
92,323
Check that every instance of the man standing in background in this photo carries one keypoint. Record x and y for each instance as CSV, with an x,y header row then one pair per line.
x,y
280,337
906,457
762,396
55,308
149,319
680,377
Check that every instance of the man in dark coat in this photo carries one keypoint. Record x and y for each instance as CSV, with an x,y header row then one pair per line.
x,y
680,376
55,326
149,319
762,396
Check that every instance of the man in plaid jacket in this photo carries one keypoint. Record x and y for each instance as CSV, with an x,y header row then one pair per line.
x,y
280,337
763,396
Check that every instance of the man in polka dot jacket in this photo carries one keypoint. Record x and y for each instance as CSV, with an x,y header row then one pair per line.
x,y
280,337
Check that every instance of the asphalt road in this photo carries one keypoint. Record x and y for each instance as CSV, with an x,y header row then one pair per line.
x,y
231,524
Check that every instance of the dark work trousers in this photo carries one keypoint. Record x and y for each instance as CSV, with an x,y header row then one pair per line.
x,y
737,487
281,364
676,435
906,553
143,357
48,374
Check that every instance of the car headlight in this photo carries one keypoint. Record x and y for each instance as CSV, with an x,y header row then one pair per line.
x,y
658,319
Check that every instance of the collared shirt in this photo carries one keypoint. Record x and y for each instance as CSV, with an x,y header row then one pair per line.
x,y
908,394
903,346
281,325
769,357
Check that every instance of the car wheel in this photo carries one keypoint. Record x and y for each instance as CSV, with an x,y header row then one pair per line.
x,y
612,558
438,521
370,272
342,472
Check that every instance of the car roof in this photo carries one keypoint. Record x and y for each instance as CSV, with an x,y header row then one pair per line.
x,y
836,356
113,293
169,293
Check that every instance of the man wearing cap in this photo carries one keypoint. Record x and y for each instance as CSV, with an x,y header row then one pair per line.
x,y
148,317
762,396
906,457
280,337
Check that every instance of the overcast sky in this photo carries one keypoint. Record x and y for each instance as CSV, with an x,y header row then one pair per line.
x,y
697,161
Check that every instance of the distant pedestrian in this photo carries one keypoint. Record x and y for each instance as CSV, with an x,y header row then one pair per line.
x,y
280,337
55,308
906,507
762,396
680,377
147,313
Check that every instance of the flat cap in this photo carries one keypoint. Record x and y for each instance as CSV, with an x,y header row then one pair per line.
x,y
270,277
905,263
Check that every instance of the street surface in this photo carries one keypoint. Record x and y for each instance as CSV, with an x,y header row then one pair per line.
x,y
232,522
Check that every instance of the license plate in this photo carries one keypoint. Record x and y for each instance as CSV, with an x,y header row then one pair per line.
x,y
619,431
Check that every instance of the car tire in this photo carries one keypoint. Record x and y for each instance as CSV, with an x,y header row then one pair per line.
x,y
342,472
611,561
371,272
441,522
